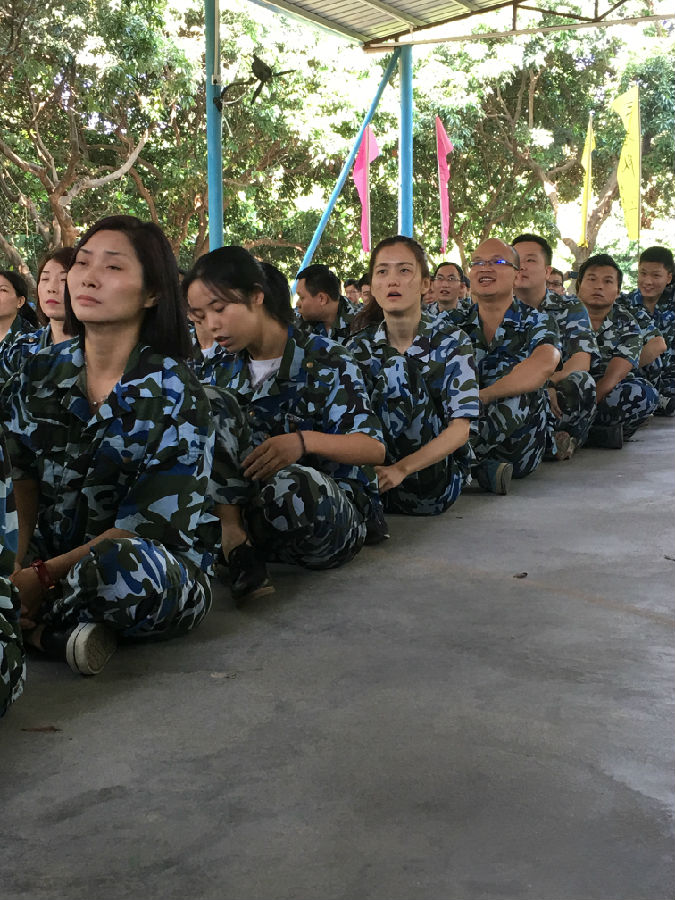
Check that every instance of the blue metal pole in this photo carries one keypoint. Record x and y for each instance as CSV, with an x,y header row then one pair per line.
x,y
348,163
405,152
214,141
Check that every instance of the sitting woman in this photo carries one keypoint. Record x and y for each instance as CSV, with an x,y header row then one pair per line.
x,y
51,313
303,497
12,657
16,316
421,379
111,444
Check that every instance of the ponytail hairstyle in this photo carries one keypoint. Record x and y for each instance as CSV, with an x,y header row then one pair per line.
x,y
236,275
372,314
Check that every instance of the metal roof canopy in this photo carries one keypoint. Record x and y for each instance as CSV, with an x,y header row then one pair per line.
x,y
379,26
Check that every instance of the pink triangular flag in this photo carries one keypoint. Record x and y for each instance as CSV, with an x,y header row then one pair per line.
x,y
368,151
443,148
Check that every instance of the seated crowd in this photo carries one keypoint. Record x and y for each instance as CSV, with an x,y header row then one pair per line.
x,y
154,433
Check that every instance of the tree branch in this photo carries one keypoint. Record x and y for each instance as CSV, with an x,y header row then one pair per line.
x,y
87,184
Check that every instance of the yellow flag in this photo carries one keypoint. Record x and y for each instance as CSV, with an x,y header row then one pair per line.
x,y
586,162
630,164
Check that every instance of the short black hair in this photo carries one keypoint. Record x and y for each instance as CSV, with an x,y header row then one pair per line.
x,y
164,327
349,281
460,270
364,279
593,262
319,279
536,239
659,255
557,272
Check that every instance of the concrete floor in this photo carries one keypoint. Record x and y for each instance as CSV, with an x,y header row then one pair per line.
x,y
419,724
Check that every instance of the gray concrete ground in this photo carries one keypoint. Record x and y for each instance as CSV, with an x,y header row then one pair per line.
x,y
419,724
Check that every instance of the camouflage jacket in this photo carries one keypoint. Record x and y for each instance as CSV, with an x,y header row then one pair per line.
x,y
318,387
618,336
13,355
441,356
141,462
340,330
662,322
9,536
521,331
574,325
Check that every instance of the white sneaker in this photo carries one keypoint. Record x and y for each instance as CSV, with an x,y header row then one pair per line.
x,y
89,647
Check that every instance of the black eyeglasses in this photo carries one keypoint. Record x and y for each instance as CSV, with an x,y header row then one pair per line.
x,y
481,263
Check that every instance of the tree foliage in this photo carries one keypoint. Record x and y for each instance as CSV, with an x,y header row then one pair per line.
x,y
103,107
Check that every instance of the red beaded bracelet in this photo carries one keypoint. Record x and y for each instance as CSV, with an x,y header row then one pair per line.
x,y
42,572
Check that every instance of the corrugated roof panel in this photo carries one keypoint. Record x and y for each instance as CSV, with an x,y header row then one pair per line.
x,y
377,19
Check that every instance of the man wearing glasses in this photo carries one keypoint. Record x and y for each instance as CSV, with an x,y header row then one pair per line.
x,y
571,388
554,281
517,349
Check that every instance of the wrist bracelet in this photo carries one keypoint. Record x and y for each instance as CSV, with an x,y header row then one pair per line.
x,y
42,572
302,441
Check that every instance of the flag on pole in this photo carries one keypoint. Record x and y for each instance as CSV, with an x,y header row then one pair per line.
x,y
587,163
443,148
630,164
368,151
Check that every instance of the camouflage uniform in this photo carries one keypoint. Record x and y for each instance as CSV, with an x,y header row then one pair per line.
x,y
416,395
141,464
18,327
340,329
511,429
26,344
661,372
633,399
313,512
12,658
576,392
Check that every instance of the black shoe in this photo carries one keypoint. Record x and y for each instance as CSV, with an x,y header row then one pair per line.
x,y
606,436
666,407
377,529
248,575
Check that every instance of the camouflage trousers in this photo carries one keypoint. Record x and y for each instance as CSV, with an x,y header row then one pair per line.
x,y
513,430
661,373
576,399
135,586
304,517
630,404
12,659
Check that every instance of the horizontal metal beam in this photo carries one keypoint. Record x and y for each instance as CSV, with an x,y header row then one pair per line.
x,y
375,47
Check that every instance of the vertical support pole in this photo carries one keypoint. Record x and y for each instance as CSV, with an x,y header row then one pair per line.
x,y
405,150
314,243
214,143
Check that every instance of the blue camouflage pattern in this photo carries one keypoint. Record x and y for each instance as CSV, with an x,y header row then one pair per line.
x,y
12,655
633,399
340,329
511,429
140,463
318,387
662,371
416,395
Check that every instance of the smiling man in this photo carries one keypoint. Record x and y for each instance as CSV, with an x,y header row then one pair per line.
x,y
624,400
655,299
571,388
516,349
